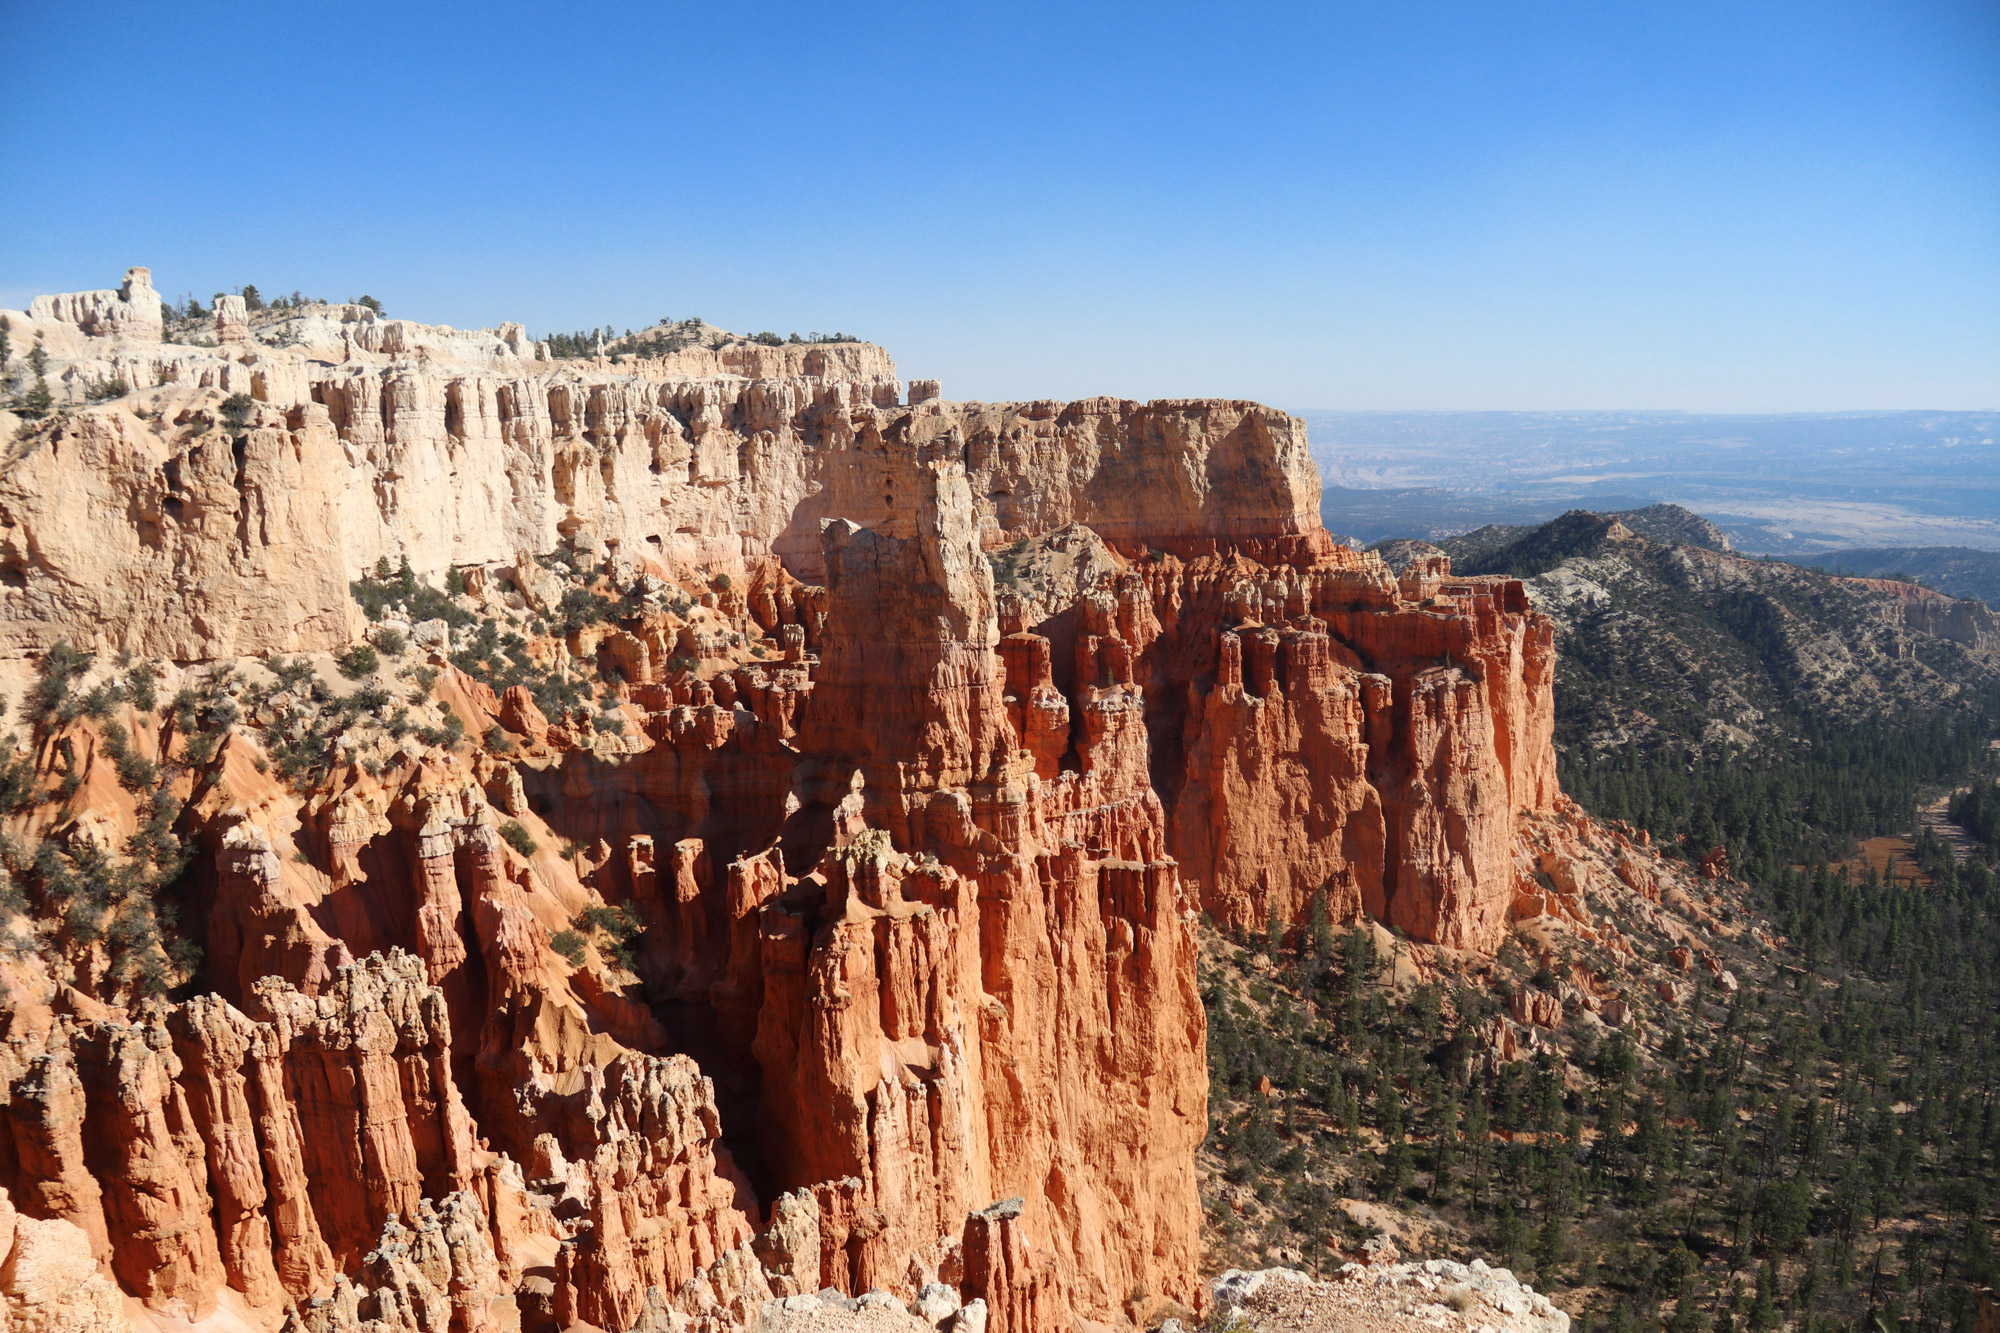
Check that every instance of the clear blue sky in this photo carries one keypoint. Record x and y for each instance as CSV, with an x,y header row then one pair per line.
x,y
1732,206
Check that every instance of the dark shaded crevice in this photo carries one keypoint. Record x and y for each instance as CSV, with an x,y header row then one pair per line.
x,y
465,1037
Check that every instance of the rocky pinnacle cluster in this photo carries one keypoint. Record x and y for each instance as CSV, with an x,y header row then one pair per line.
x,y
913,810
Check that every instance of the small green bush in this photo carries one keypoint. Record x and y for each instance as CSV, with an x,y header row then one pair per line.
x,y
519,838
61,665
37,402
102,698
386,589
580,607
238,409
369,699
141,686
570,945
392,642
618,926
18,788
136,773
617,921
358,661
291,672
202,747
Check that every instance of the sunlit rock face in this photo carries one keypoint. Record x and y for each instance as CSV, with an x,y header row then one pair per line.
x,y
961,716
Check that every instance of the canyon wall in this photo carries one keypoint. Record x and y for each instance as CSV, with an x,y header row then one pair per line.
x,y
390,440
913,802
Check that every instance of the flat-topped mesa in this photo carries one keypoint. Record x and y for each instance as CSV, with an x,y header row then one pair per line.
x,y
97,323
1354,737
1194,476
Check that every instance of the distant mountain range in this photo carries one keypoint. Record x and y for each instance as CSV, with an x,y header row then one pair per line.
x,y
1792,485
1958,570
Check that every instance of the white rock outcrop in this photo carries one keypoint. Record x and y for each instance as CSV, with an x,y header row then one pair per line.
x,y
132,311
49,1282
1435,1294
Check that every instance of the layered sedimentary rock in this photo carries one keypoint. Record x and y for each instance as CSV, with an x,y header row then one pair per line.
x,y
1926,611
1362,739
453,449
875,906
219,546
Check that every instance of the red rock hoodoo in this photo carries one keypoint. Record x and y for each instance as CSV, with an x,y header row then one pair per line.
x,y
912,896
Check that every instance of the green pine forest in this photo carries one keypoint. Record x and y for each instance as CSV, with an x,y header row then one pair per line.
x,y
1818,1151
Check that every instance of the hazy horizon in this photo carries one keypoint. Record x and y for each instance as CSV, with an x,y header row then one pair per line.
x,y
1789,484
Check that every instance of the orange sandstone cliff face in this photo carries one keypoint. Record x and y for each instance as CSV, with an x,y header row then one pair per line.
x,y
913,997
1368,739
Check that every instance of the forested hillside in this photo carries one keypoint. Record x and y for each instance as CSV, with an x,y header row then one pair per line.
x,y
1777,710
1811,1142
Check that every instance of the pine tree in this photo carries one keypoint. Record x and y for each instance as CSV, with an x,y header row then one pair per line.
x,y
1444,1149
1764,1309
1507,1236
1321,921
1476,1128
1548,1247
